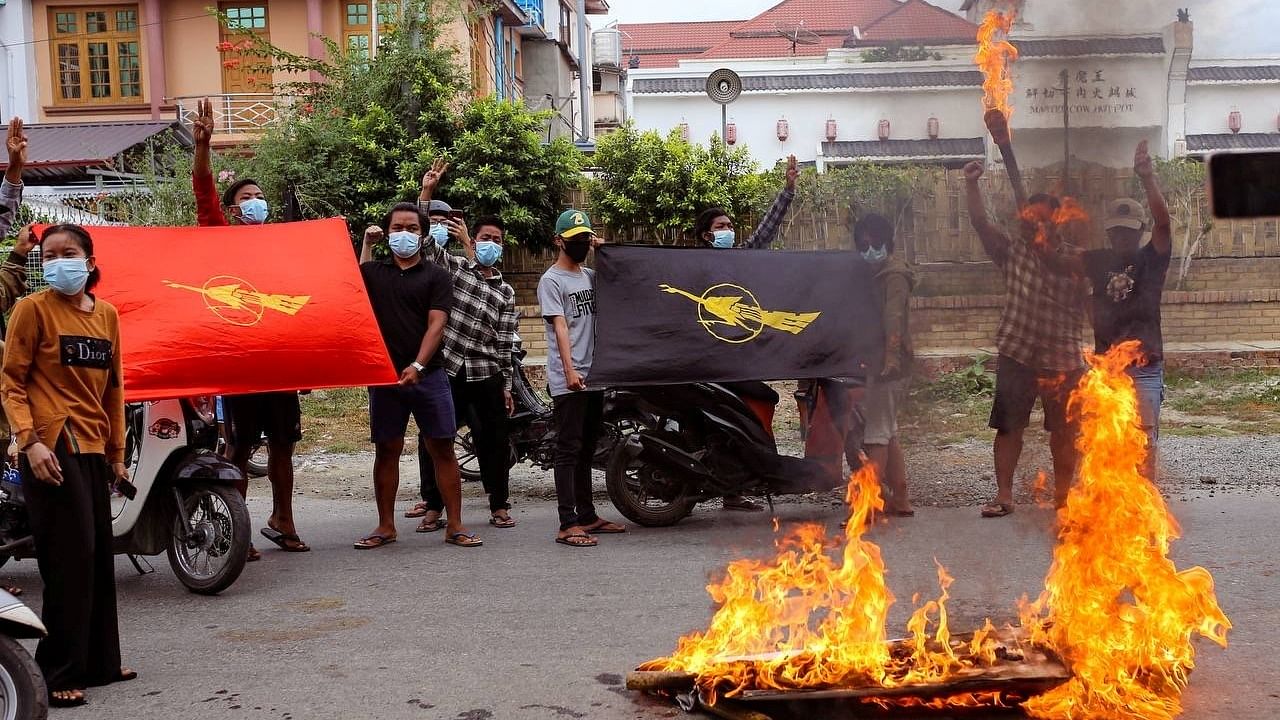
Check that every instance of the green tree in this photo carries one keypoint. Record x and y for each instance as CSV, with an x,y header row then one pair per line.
x,y
1183,182
650,188
501,166
860,188
897,52
361,138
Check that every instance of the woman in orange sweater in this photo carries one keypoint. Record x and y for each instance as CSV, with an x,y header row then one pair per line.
x,y
62,391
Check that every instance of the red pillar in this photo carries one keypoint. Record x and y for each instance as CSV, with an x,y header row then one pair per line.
x,y
156,84
315,28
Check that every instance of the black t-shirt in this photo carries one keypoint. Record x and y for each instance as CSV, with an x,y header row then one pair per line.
x,y
1126,298
402,300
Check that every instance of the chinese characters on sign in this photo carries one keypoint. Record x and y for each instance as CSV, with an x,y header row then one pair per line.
x,y
1089,92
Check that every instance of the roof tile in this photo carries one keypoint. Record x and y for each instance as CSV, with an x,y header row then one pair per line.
x,y
918,20
1231,141
817,81
941,148
1076,47
1250,73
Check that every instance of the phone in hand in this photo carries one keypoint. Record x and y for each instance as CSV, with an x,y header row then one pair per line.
x,y
127,489
1245,185
456,215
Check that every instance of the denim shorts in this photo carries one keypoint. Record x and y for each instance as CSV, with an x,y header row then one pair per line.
x,y
429,401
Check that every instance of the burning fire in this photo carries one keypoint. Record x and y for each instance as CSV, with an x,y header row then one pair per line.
x,y
806,620
1045,219
995,58
1114,606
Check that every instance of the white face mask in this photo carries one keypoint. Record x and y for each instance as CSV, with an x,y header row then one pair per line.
x,y
875,254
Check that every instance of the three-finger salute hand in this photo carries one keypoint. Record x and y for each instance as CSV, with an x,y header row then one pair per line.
x,y
16,144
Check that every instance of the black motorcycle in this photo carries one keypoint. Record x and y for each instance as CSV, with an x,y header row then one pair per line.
x,y
531,432
703,441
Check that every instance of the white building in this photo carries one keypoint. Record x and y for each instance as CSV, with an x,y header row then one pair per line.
x,y
826,105
17,60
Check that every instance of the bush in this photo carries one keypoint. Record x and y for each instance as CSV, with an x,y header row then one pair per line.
x,y
970,382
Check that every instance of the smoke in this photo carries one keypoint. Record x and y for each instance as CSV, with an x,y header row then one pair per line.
x,y
1100,16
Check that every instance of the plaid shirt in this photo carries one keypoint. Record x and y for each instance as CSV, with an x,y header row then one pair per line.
x,y
481,332
1042,325
767,231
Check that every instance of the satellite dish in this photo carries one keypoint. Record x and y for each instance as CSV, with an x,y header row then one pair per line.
x,y
724,86
796,34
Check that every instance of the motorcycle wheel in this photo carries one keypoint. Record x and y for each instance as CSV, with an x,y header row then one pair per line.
x,y
217,544
23,695
468,462
258,461
628,481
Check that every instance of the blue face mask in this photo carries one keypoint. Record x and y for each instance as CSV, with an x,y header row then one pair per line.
x,y
723,238
875,254
440,234
253,211
67,275
404,243
488,253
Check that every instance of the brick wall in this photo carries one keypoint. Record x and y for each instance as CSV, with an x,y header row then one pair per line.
x,y
958,323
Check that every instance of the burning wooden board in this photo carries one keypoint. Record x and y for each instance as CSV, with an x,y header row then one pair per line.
x,y
1019,671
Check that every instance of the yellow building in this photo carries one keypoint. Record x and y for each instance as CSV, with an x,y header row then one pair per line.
x,y
152,59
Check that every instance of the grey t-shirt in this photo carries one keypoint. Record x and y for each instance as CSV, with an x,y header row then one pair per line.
x,y
572,296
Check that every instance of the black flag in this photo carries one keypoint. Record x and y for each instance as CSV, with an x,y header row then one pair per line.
x,y
680,315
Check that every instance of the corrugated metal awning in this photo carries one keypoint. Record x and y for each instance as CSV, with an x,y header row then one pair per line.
x,y
947,150
1198,144
63,150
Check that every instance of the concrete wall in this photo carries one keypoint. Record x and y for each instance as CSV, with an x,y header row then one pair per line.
x,y
1209,105
17,61
857,113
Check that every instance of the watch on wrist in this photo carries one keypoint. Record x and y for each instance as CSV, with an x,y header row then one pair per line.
x,y
418,366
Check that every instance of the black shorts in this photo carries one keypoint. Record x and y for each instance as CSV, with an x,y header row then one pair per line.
x,y
1018,386
278,415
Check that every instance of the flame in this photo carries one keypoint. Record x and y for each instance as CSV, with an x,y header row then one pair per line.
x,y
1046,219
1114,606
811,619
995,57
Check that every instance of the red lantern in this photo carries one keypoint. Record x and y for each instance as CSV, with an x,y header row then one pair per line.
x,y
731,133
784,130
831,130
684,131
935,128
884,129
1234,121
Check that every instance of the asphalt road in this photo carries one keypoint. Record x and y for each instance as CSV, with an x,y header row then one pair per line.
x,y
523,628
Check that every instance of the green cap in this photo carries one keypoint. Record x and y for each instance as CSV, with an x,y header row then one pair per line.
x,y
573,222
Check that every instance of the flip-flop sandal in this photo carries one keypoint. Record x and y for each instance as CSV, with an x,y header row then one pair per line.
x,y
429,527
373,541
288,542
417,511
995,510
464,540
607,528
126,674
13,590
501,522
254,555
67,702
573,540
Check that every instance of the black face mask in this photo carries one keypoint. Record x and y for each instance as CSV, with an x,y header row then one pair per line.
x,y
577,249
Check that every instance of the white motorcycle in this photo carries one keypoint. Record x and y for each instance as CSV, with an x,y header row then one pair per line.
x,y
23,695
182,501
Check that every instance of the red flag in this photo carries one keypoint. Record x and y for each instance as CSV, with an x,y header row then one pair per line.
x,y
241,309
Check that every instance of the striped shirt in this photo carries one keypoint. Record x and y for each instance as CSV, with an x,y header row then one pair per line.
x,y
1042,325
480,334
767,231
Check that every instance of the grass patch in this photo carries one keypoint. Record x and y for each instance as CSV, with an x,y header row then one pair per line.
x,y
335,421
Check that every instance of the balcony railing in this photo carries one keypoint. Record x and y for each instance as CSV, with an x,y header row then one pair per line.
x,y
533,8
235,113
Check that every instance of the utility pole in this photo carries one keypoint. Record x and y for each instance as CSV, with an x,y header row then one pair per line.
x,y
584,70
1065,76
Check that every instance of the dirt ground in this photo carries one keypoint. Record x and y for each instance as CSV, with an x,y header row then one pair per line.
x,y
1219,432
